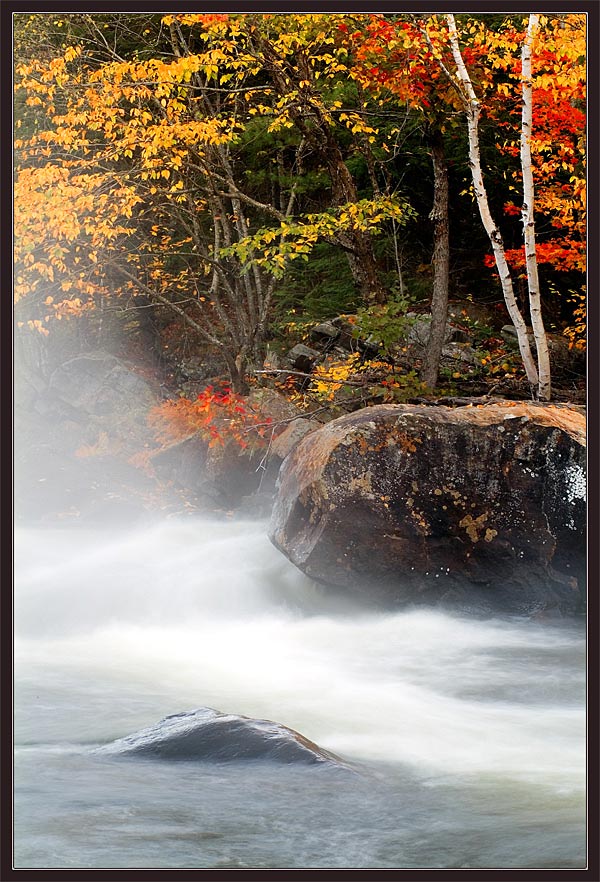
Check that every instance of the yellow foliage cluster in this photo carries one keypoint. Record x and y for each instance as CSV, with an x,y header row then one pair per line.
x,y
329,378
576,333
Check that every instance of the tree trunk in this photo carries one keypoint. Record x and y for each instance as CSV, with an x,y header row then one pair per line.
x,y
441,262
320,136
472,111
237,368
361,258
535,305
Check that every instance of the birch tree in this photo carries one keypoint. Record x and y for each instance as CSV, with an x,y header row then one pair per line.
x,y
533,284
539,382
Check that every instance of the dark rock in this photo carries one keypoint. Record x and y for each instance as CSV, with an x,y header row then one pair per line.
x,y
228,476
492,316
208,735
419,329
459,354
564,360
347,339
459,336
325,335
99,383
476,506
509,335
302,358
215,476
272,404
368,348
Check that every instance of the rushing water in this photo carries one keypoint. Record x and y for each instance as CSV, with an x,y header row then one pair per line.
x,y
469,735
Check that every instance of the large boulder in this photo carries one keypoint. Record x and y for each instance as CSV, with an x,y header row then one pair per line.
x,y
481,506
208,735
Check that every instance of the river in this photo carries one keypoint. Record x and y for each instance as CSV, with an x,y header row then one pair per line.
x,y
468,735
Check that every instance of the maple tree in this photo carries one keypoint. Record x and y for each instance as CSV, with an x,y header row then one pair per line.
x,y
171,158
220,415
392,58
557,145
133,183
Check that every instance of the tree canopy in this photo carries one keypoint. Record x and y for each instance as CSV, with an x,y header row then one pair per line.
x,y
233,168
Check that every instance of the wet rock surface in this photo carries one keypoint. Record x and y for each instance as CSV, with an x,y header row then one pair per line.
x,y
211,736
481,507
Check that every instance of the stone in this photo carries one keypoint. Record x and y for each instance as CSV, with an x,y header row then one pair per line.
x,y
509,335
459,355
272,404
479,506
302,358
284,443
75,440
325,335
219,476
227,476
207,735
102,385
563,358
419,328
347,339
489,315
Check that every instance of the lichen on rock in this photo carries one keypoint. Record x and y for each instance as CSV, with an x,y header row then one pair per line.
x,y
480,505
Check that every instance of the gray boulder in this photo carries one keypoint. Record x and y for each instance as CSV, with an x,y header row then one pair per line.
x,y
75,439
208,735
101,384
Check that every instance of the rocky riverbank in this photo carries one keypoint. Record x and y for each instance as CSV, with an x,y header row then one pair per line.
x,y
480,505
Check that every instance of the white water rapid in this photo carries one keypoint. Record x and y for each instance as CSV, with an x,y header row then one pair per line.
x,y
469,735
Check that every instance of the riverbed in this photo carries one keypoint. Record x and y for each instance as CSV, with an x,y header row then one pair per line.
x,y
467,736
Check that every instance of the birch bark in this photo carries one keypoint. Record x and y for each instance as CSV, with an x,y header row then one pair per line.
x,y
533,285
472,109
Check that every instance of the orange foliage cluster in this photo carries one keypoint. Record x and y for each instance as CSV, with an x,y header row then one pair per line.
x,y
558,137
394,56
563,255
220,416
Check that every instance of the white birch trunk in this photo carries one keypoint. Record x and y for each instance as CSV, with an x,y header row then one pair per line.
x,y
472,111
533,285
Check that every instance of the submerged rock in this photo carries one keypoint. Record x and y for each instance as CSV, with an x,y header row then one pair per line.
x,y
211,736
483,507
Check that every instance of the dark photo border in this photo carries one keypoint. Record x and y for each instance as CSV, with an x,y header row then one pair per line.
x,y
592,9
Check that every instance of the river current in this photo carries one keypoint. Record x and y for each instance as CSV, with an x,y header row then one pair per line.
x,y
468,735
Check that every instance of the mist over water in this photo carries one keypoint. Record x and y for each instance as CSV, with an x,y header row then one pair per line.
x,y
469,735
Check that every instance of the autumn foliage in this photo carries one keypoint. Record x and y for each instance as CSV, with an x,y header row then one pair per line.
x,y
202,162
558,136
219,415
